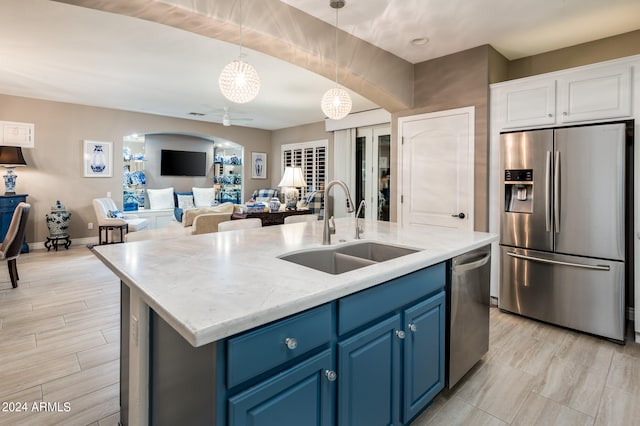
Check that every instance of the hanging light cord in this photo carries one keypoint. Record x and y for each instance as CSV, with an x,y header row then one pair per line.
x,y
240,4
336,46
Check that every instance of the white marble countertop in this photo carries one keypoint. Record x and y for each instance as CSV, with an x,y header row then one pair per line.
x,y
215,285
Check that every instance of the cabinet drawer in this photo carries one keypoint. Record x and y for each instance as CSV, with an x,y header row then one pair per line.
x,y
9,203
363,307
260,350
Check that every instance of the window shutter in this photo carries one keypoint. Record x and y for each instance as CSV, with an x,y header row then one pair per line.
x,y
312,158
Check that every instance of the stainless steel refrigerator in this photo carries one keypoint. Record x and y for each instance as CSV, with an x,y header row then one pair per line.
x,y
565,212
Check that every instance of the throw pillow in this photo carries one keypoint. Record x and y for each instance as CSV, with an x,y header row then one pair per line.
x,y
185,201
223,208
160,198
115,214
204,197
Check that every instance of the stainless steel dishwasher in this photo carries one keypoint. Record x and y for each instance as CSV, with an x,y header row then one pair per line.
x,y
468,303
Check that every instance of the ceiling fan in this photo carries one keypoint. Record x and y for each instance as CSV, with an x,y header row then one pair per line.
x,y
227,120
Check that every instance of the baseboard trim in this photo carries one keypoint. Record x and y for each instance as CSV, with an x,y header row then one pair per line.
x,y
74,242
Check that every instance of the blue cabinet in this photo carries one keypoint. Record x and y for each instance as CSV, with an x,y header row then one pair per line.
x,y
375,382
369,376
389,345
8,204
424,353
301,395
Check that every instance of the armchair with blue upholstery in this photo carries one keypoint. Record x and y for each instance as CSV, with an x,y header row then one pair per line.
x,y
265,195
314,201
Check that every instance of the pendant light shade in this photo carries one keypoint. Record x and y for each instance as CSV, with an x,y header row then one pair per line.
x,y
336,103
239,82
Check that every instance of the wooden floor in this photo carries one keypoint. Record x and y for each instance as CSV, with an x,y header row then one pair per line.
x,y
59,345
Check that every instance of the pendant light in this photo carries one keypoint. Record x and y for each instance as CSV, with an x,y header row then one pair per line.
x,y
239,82
336,102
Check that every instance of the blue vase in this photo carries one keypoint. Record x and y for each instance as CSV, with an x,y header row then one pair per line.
x,y
274,204
98,163
58,221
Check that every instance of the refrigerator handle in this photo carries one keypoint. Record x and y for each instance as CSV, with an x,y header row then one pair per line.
x,y
557,262
547,194
556,193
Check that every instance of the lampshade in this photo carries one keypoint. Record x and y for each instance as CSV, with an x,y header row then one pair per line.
x,y
292,177
239,82
11,156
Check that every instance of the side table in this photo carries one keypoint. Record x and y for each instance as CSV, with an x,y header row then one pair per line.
x,y
8,204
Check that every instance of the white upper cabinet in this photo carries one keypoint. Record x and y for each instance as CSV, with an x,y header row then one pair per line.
x,y
595,94
590,93
530,104
17,134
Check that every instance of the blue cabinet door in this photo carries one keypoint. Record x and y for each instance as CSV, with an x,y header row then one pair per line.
x,y
301,395
424,353
369,376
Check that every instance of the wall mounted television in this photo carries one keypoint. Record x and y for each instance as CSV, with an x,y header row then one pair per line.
x,y
183,163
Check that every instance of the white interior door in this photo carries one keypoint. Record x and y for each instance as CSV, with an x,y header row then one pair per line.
x,y
436,169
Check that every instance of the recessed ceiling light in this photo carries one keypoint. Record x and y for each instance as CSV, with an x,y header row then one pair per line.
x,y
420,41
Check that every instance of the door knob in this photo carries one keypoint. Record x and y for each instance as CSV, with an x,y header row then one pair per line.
x,y
460,215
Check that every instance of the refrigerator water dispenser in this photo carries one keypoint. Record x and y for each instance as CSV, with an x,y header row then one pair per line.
x,y
518,191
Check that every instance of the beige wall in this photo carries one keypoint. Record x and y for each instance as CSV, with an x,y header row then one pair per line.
x,y
306,133
453,81
153,146
55,170
627,44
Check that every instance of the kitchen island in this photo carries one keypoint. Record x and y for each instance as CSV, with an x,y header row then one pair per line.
x,y
187,307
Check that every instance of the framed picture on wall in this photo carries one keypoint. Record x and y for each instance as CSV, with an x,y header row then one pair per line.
x,y
97,159
258,165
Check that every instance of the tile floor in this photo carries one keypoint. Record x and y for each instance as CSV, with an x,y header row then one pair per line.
x,y
59,344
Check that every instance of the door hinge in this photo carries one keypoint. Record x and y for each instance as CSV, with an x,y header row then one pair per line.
x,y
402,199
403,140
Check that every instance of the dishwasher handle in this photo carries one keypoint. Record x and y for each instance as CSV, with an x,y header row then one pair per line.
x,y
472,265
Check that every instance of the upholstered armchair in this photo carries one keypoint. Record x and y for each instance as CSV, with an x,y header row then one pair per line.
x,y
265,195
314,202
110,219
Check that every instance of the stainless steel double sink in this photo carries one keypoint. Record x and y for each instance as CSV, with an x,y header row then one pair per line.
x,y
344,258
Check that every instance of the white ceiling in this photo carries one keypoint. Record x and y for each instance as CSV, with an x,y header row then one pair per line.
x,y
66,53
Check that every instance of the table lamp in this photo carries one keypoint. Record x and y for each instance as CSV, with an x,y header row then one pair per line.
x,y
10,157
290,182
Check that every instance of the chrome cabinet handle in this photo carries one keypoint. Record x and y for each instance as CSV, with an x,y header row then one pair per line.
x,y
547,194
291,343
331,375
556,193
413,328
401,334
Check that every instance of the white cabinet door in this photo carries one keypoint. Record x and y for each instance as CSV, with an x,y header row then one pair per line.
x,y
595,94
17,134
529,104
